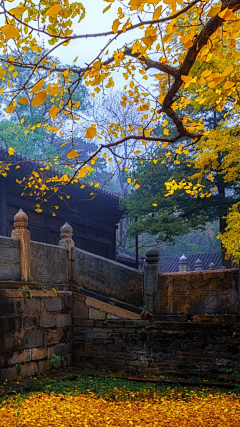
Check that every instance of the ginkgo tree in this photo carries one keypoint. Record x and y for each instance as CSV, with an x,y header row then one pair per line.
x,y
180,45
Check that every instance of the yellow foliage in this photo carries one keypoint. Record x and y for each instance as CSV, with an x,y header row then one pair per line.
x,y
91,132
10,32
23,100
72,154
189,72
210,410
39,98
54,10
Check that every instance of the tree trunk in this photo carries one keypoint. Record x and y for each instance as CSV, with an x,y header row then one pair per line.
x,y
225,262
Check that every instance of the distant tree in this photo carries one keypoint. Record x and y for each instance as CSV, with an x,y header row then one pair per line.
x,y
168,217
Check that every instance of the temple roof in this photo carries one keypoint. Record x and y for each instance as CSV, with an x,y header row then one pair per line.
x,y
31,163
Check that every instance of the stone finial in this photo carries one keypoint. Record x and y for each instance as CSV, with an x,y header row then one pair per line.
x,y
198,265
21,233
212,266
20,219
152,256
67,243
66,231
183,263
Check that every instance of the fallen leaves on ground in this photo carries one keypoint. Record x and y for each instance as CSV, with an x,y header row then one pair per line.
x,y
51,410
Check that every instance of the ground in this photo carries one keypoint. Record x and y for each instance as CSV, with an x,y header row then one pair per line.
x,y
84,398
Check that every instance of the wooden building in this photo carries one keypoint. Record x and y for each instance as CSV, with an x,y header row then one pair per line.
x,y
94,221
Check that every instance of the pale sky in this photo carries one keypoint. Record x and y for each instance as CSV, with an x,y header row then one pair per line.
x,y
94,22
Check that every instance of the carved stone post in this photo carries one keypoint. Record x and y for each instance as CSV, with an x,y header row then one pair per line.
x,y
151,272
20,232
67,243
198,265
212,266
183,264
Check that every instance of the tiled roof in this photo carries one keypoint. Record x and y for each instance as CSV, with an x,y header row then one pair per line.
x,y
170,263
30,163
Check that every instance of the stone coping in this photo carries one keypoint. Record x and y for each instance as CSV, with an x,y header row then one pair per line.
x,y
211,272
107,300
13,284
10,284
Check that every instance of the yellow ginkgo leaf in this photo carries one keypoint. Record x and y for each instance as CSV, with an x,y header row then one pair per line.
x,y
22,121
37,86
154,204
53,111
64,178
129,180
115,25
39,98
214,10
72,154
165,144
23,100
228,84
11,151
2,72
166,131
54,10
228,15
157,13
10,109
91,132
10,32
82,173
17,11
107,8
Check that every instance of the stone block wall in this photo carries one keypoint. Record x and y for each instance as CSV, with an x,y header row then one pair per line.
x,y
107,277
32,330
169,345
199,292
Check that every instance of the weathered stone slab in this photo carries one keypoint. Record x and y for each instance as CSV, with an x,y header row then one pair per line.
x,y
107,277
109,308
48,263
9,259
199,292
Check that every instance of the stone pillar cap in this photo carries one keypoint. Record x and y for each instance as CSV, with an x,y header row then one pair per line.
x,y
20,219
66,230
152,256
212,266
183,259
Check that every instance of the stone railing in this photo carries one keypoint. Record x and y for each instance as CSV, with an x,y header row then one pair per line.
x,y
28,261
189,292
107,277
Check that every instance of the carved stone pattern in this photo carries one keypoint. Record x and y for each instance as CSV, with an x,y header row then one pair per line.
x,y
9,259
48,263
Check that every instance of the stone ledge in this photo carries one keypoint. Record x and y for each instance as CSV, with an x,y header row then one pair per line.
x,y
15,293
108,300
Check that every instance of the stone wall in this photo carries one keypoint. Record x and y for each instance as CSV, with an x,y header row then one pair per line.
x,y
199,292
169,344
48,263
9,259
32,329
107,277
